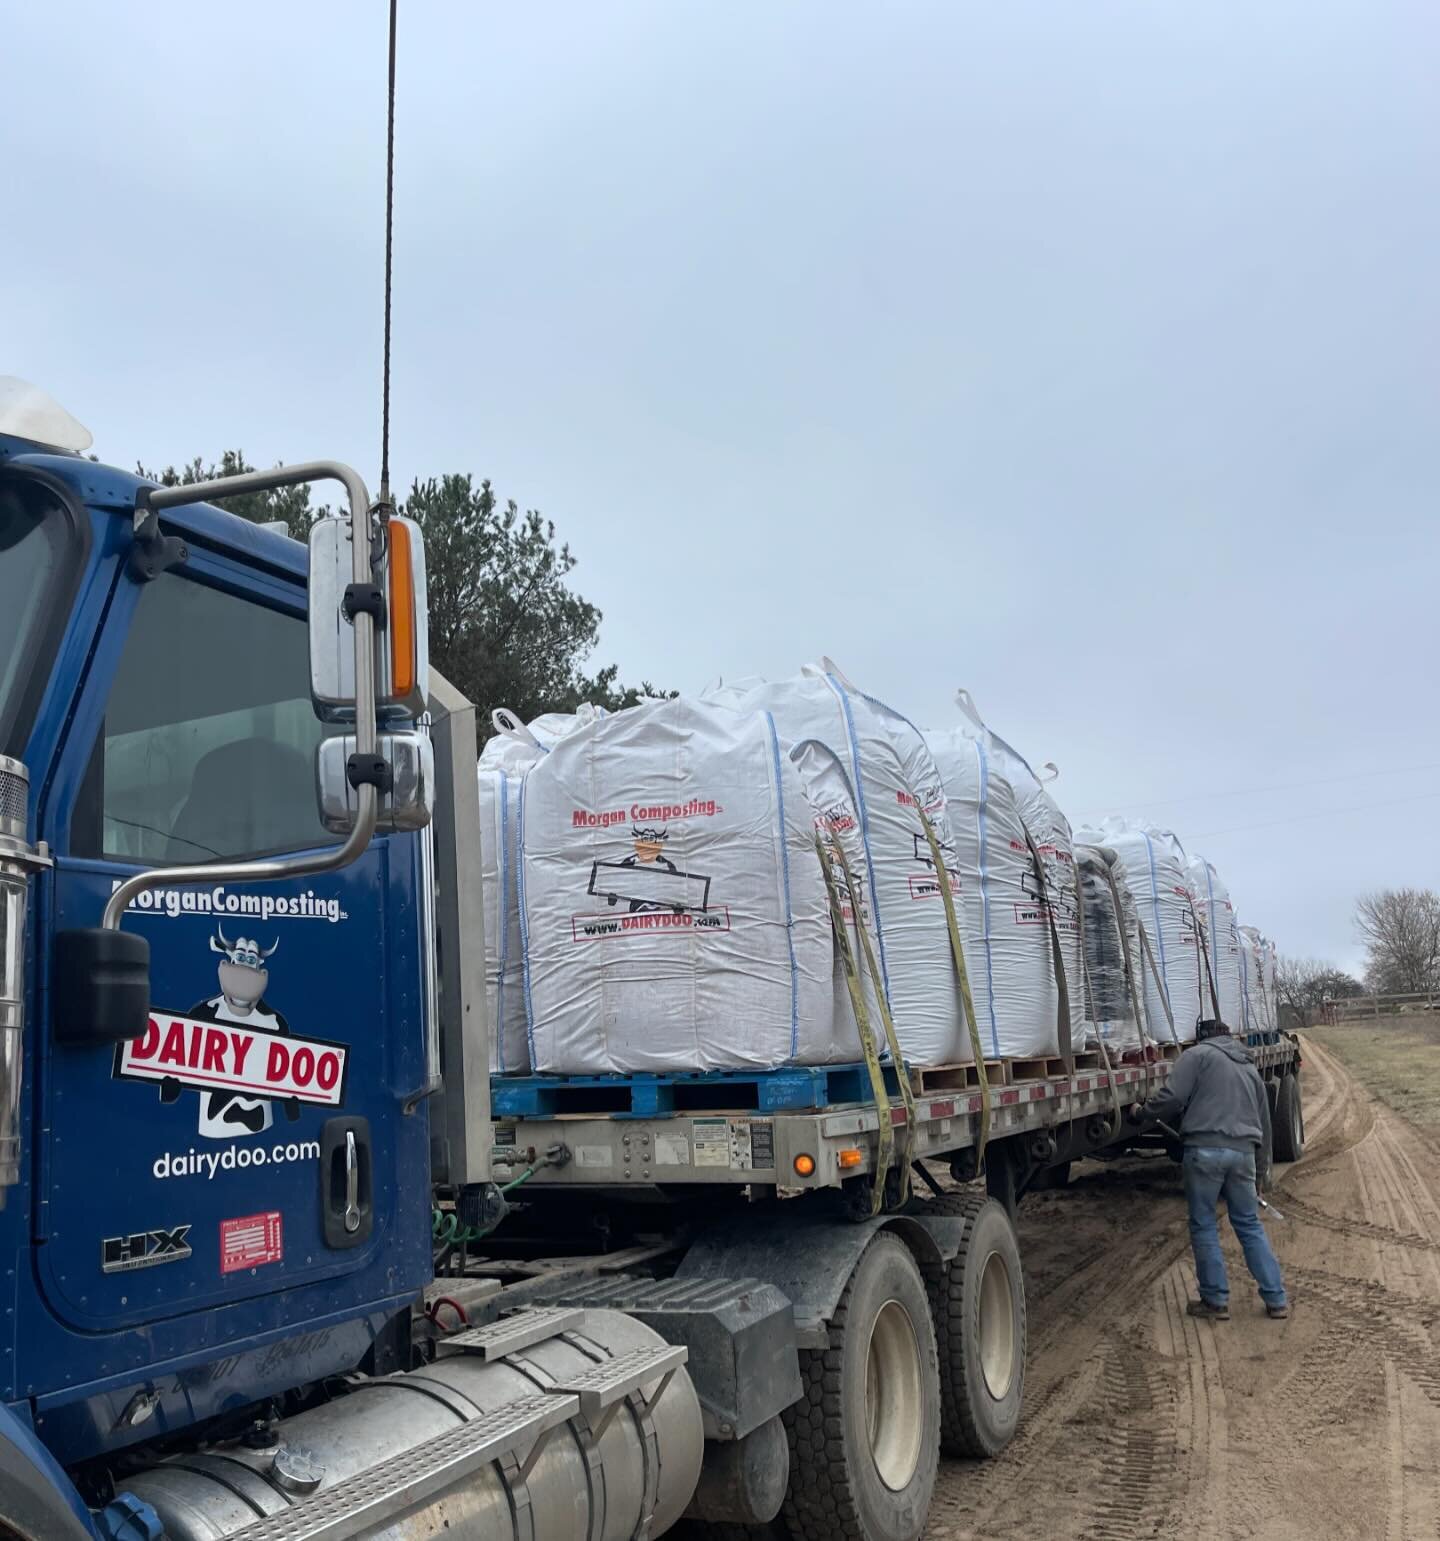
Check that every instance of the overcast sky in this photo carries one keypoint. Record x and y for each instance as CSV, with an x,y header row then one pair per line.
x,y
1087,355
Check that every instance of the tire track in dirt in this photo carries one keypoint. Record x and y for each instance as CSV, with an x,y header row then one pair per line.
x,y
1133,1489
1364,1230
1336,1118
1408,1200
1390,1314
1069,1401
1142,1422
1395,1322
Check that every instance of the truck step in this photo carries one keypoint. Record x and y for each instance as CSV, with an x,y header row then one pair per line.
x,y
397,1487
605,1384
659,1096
513,1333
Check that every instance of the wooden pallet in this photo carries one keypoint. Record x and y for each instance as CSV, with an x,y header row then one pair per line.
x,y
928,1079
1040,1069
1089,1059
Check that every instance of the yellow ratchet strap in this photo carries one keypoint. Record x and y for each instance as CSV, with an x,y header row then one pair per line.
x,y
957,953
884,1155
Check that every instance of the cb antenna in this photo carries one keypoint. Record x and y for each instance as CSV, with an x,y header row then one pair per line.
x,y
384,498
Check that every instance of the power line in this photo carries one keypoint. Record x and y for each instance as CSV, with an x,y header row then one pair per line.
x,y
1288,786
1324,813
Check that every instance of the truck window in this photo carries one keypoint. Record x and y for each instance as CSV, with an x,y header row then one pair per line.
x,y
34,536
215,758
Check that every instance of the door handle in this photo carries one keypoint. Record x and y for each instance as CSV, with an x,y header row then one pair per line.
x,y
347,1181
352,1184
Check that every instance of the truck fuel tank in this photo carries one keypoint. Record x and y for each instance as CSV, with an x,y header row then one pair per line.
x,y
635,1457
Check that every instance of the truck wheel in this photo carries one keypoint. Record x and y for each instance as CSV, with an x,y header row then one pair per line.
x,y
1289,1125
978,1299
865,1437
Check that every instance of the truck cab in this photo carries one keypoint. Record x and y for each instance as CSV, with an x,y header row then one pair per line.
x,y
179,1203
220,1047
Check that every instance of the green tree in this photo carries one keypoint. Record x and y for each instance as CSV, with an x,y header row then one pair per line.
x,y
505,625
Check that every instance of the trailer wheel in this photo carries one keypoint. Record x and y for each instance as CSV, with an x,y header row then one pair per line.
x,y
865,1437
1289,1125
978,1299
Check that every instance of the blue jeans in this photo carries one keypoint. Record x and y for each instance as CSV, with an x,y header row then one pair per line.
x,y
1210,1175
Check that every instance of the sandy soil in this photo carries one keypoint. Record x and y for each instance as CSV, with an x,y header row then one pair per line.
x,y
1141,1422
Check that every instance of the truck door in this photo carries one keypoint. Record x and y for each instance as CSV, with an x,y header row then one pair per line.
x,y
209,1162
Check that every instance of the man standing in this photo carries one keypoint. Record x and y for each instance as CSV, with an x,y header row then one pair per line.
x,y
1217,1100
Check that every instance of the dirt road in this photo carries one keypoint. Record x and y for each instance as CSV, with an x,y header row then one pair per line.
x,y
1141,1422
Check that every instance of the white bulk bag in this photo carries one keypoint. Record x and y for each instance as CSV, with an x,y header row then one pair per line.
x,y
833,806
889,767
1111,993
1050,831
1252,973
1257,961
1154,863
504,759
1222,940
673,912
1008,951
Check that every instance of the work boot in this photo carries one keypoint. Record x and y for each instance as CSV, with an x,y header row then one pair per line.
x,y
1276,1313
1208,1311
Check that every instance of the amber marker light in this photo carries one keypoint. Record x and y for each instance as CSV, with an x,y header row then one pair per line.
x,y
402,611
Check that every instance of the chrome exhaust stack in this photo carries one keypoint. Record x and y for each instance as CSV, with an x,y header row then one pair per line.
x,y
18,859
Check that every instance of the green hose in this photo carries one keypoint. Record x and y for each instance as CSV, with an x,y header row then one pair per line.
x,y
445,1224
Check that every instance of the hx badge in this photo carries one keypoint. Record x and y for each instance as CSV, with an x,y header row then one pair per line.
x,y
144,1249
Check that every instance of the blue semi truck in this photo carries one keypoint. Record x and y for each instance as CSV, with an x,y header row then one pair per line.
x,y
259,1275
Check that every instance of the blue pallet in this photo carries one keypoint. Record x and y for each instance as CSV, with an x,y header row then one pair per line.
x,y
662,1096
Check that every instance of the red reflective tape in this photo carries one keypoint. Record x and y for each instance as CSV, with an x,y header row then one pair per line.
x,y
942,1109
1007,1097
1039,1093
897,1115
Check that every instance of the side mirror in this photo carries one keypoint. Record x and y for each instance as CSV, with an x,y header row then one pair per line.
x,y
402,641
405,805
101,986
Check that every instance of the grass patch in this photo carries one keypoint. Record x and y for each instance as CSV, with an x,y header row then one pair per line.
x,y
1395,1058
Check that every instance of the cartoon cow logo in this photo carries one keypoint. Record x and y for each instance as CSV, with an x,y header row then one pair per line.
x,y
647,881
649,852
243,977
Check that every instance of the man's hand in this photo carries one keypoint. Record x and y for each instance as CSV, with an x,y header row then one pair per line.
x,y
1137,1113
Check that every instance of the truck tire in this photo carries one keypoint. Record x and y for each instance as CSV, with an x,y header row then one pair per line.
x,y
978,1301
1289,1124
865,1436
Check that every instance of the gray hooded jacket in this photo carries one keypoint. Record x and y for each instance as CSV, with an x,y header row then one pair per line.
x,y
1215,1097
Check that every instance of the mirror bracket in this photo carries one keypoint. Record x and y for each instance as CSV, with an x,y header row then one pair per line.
x,y
364,599
369,770
153,553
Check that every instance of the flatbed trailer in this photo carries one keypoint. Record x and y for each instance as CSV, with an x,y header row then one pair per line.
x,y
1035,1123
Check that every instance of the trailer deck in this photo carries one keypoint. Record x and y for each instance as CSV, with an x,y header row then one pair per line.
x,y
753,1144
